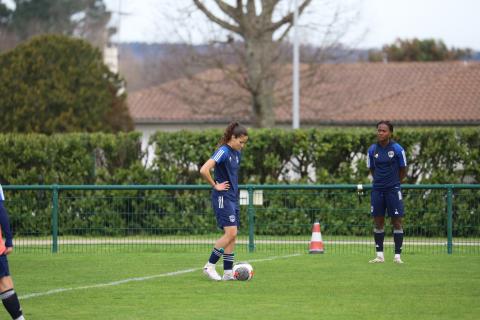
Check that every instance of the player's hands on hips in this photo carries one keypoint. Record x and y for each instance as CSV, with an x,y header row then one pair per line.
x,y
222,186
8,250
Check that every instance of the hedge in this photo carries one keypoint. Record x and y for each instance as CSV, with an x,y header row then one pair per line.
x,y
324,156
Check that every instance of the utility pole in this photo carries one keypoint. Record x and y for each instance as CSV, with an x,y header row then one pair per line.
x,y
296,78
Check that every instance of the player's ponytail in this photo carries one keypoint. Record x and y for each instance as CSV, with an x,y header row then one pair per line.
x,y
233,129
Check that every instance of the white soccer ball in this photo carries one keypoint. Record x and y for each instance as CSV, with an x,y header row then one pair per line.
x,y
243,271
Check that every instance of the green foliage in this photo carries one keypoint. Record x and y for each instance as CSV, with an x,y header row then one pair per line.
x,y
5,15
322,156
435,155
77,158
67,17
418,50
68,159
330,156
55,84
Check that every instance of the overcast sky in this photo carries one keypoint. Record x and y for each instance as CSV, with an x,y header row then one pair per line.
x,y
456,22
382,21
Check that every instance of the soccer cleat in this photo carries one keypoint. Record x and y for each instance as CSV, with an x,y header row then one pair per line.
x,y
227,276
377,260
209,271
398,260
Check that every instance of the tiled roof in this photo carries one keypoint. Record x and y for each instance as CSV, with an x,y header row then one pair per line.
x,y
408,93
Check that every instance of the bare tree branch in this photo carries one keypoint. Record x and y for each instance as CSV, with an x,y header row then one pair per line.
x,y
251,9
232,12
222,23
289,17
247,72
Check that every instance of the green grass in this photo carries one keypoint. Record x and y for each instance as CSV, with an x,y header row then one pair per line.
x,y
328,286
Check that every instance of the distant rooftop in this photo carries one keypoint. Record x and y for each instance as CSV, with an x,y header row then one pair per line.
x,y
434,93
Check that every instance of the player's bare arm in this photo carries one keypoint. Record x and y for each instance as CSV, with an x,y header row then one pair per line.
x,y
205,172
403,173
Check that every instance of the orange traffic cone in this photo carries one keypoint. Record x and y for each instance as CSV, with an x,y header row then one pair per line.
x,y
316,244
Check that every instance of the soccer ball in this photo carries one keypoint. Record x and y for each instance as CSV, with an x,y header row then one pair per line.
x,y
243,271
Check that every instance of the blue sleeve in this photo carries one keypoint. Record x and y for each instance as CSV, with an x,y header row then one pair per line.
x,y
401,156
5,224
370,163
219,155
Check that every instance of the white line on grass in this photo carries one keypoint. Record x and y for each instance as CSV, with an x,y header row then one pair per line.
x,y
119,282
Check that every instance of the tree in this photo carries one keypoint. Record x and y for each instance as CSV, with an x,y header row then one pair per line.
x,y
7,40
84,18
243,67
93,24
54,83
255,23
418,50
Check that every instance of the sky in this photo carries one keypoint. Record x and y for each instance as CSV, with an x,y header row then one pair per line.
x,y
379,22
376,22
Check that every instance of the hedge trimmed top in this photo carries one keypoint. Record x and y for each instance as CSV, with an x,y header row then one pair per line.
x,y
438,155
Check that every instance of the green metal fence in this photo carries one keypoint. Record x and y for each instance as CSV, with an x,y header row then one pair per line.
x,y
102,218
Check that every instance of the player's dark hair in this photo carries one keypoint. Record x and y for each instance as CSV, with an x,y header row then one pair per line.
x,y
233,129
388,123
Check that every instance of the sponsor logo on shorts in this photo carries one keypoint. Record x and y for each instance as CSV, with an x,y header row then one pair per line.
x,y
232,218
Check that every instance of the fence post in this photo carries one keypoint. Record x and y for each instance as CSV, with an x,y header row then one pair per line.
x,y
55,219
251,222
93,172
449,219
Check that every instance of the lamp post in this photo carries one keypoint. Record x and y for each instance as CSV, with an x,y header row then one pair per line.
x,y
296,79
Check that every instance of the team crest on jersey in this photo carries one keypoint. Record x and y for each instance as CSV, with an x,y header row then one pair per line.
x,y
232,218
237,160
391,154
376,155
230,158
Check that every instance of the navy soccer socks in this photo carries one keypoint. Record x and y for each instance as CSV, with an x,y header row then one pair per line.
x,y
398,240
11,303
379,236
216,255
228,259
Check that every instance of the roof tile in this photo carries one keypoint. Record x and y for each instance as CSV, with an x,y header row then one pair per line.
x,y
415,93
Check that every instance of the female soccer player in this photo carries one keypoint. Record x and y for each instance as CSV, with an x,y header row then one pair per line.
x,y
387,163
7,294
225,197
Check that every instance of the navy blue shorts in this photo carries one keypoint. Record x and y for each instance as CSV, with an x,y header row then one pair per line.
x,y
4,271
226,211
390,201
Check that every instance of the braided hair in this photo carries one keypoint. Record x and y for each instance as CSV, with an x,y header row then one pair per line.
x,y
233,129
387,123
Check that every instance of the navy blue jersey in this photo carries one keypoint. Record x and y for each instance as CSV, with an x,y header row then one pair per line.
x,y
386,163
5,225
227,163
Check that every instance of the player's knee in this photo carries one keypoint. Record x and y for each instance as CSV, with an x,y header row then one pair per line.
x,y
231,234
397,224
379,225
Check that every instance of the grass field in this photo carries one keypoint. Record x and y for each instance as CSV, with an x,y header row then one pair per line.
x,y
155,285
